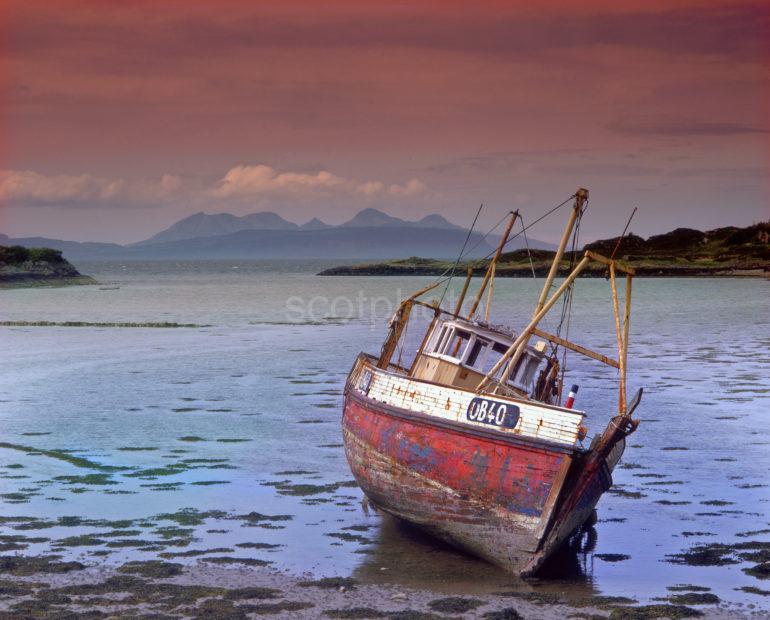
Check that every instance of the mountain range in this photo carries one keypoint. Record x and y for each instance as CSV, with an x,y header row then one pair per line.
x,y
369,234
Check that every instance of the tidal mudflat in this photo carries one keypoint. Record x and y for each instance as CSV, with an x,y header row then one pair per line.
x,y
200,471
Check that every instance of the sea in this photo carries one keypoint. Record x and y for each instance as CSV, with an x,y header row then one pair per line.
x,y
219,440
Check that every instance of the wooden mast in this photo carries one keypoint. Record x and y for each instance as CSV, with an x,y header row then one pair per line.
x,y
398,323
461,299
516,349
488,307
491,268
581,195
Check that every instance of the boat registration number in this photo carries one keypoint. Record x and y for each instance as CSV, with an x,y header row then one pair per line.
x,y
492,412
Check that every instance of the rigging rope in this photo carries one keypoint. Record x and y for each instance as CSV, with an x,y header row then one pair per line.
x,y
457,262
439,279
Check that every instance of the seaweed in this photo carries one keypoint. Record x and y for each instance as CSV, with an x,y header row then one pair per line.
x,y
355,613
232,560
151,568
507,613
63,455
648,612
20,566
760,571
455,604
330,583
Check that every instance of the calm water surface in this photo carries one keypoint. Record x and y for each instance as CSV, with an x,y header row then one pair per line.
x,y
225,438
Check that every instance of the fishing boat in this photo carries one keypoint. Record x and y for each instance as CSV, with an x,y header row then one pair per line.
x,y
472,441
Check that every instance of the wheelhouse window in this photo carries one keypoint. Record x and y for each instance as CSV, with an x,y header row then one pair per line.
x,y
455,346
477,353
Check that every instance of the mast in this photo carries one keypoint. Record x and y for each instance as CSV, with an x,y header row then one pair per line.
x,y
491,268
581,196
516,349
461,299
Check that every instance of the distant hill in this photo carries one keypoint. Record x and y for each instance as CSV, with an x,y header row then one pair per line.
x,y
89,250
682,252
215,224
315,224
336,242
23,267
369,234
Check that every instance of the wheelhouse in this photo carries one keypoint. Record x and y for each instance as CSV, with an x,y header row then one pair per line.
x,y
460,353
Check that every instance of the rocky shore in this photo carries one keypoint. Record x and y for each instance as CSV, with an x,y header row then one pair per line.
x,y
27,267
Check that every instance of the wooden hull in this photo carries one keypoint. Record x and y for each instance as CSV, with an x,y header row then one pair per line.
x,y
511,500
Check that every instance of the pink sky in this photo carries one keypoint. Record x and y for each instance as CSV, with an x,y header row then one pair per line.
x,y
119,118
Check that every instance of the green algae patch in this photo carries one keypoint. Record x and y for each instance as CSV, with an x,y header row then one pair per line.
x,y
695,598
205,483
231,560
155,472
137,449
276,608
257,517
153,324
704,555
685,587
91,479
455,604
84,540
753,590
507,613
348,537
20,566
650,612
760,571
191,438
355,613
190,516
62,455
193,553
238,594
256,545
330,583
154,569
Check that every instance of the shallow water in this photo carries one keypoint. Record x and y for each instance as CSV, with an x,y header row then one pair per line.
x,y
241,416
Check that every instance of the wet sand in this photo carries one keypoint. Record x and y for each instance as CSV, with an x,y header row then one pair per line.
x,y
169,590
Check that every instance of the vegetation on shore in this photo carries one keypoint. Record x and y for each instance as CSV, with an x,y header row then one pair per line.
x,y
682,252
24,267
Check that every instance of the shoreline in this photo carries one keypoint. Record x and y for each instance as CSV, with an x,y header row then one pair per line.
x,y
386,269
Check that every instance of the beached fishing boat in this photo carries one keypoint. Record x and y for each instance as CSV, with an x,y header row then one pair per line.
x,y
472,441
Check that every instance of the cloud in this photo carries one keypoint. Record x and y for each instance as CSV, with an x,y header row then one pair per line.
x,y
243,183
29,188
262,180
413,187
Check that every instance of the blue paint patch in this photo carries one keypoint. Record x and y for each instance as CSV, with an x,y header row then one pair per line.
x,y
417,457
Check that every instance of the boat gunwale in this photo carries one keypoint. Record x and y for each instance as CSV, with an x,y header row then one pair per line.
x,y
368,359
425,419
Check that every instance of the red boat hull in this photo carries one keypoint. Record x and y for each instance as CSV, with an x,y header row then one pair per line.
x,y
497,497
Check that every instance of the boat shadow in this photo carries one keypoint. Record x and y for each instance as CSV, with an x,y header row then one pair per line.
x,y
402,554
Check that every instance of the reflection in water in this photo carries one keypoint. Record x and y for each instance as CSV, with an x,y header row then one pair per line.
x,y
403,554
